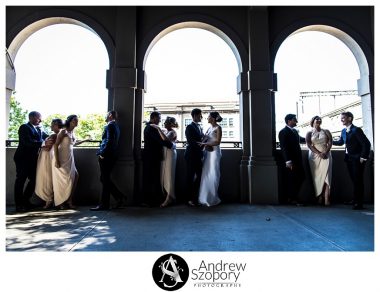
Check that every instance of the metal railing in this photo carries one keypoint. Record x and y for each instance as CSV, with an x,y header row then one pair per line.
x,y
89,144
223,144
96,143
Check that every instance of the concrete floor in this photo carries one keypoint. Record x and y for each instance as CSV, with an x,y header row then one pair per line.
x,y
232,227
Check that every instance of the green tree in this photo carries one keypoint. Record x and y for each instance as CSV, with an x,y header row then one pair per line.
x,y
46,122
17,117
90,126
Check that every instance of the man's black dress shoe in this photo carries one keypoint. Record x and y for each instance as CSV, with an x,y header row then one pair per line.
x,y
357,207
99,208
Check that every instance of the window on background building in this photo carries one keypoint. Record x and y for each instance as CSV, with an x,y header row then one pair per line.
x,y
188,122
224,134
61,70
223,123
231,122
197,56
231,134
317,75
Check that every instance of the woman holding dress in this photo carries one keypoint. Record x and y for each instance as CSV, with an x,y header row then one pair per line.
x,y
44,180
65,174
168,164
319,142
208,191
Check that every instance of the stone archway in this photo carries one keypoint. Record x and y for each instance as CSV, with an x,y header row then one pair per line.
x,y
221,31
25,33
363,84
216,27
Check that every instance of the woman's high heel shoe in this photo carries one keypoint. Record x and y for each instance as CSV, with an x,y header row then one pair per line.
x,y
48,205
167,202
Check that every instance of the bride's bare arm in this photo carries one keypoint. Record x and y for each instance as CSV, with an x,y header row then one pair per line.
x,y
162,135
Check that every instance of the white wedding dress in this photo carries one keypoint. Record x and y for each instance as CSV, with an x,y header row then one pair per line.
x,y
208,191
44,180
64,177
168,169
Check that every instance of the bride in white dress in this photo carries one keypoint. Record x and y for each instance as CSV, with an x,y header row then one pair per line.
x,y
44,179
65,174
208,191
319,142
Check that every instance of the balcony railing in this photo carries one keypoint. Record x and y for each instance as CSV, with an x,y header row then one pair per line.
x,y
89,144
96,143
223,144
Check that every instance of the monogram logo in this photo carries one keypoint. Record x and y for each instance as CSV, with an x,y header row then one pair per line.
x,y
170,272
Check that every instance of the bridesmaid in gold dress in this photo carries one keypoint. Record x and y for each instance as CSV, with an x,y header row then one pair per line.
x,y
319,142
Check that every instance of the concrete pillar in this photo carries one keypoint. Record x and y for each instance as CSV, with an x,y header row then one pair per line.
x,y
122,81
9,88
245,135
262,167
367,110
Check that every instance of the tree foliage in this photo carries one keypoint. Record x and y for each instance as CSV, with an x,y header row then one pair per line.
x,y
90,126
17,116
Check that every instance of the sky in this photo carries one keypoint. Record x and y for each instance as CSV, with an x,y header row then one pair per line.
x,y
62,69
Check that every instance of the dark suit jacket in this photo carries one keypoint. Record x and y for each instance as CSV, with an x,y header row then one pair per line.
x,y
30,141
193,136
357,143
110,141
290,145
153,144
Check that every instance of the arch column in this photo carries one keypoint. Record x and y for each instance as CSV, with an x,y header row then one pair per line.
x,y
9,88
121,82
244,95
262,167
364,92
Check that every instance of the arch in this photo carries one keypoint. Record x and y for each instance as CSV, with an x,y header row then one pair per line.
x,y
28,25
150,42
360,50
25,27
194,21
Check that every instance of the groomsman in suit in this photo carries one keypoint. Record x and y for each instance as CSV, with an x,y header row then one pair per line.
x,y
25,158
291,151
152,158
357,153
107,157
193,156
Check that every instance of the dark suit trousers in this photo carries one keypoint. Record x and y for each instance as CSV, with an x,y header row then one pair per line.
x,y
356,171
152,189
25,169
106,165
294,179
193,178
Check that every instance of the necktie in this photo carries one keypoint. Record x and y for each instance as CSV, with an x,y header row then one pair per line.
x,y
39,132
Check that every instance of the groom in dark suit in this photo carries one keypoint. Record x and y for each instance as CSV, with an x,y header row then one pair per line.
x,y
291,151
30,139
107,156
357,153
193,156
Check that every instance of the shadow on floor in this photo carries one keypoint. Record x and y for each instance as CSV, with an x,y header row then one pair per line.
x,y
230,227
